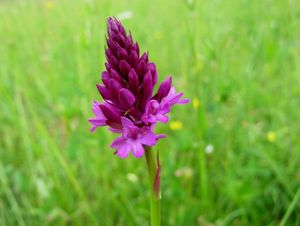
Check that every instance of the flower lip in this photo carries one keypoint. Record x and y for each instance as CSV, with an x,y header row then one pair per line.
x,y
156,111
133,139
154,107
100,119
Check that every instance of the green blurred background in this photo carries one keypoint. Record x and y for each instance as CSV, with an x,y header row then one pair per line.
x,y
232,156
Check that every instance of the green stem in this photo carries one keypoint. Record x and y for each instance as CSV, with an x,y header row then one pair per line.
x,y
152,165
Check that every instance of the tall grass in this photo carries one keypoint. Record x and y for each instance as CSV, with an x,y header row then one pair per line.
x,y
239,58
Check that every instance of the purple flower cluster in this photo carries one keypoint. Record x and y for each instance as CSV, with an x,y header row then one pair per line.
x,y
130,107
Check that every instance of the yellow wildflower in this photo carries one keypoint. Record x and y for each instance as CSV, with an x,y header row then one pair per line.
x,y
49,4
199,65
158,35
176,125
271,136
196,103
185,172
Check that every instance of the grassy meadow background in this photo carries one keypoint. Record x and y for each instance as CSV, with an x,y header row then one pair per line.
x,y
232,156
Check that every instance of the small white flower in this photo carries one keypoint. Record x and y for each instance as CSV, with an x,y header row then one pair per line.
x,y
42,188
190,2
125,15
185,172
209,149
132,177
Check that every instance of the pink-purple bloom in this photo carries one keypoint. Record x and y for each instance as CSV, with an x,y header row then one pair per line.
x,y
130,107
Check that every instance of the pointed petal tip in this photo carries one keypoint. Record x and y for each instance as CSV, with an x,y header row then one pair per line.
x,y
123,152
138,156
138,150
126,98
164,87
93,129
184,101
121,155
126,122
160,136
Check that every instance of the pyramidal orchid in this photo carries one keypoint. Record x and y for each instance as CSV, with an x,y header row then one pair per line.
x,y
130,107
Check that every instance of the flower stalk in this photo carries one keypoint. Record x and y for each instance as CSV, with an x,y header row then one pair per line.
x,y
131,108
154,182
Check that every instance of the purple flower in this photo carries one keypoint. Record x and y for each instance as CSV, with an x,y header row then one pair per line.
x,y
175,98
133,139
156,111
130,107
100,119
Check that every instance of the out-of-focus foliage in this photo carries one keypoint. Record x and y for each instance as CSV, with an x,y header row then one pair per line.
x,y
231,157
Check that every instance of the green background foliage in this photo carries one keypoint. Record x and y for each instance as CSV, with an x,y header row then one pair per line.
x,y
240,58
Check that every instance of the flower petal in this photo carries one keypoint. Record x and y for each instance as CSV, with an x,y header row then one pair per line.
x,y
126,98
115,75
114,87
151,66
141,68
118,142
104,92
148,138
96,123
124,151
133,79
122,53
105,78
124,67
110,112
137,150
96,109
100,119
160,136
126,122
162,118
146,91
165,107
184,101
174,98
133,58
164,88
114,130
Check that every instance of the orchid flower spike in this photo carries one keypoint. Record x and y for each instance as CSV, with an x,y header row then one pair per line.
x,y
130,108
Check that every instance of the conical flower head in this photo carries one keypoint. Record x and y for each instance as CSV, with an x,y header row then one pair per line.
x,y
129,78
127,90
